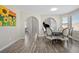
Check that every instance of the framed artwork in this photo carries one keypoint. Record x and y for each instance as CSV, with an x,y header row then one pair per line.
x,y
7,17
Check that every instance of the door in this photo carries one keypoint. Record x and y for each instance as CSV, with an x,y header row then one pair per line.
x,y
32,28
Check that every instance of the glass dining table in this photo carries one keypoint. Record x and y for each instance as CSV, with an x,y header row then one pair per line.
x,y
57,33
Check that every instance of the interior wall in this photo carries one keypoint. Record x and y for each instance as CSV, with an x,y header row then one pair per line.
x,y
10,34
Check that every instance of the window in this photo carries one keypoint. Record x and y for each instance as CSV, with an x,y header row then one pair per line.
x,y
65,22
75,22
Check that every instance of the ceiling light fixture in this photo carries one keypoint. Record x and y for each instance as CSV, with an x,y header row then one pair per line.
x,y
53,9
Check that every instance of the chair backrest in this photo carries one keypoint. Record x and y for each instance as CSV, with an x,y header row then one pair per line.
x,y
66,31
60,29
49,32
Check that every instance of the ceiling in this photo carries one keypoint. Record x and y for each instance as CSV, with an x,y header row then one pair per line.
x,y
44,9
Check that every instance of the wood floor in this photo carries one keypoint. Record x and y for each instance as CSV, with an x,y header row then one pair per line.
x,y
14,48
42,45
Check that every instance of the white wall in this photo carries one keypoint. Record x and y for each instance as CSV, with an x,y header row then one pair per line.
x,y
9,34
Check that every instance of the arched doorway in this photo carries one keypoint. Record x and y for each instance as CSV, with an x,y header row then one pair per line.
x,y
32,28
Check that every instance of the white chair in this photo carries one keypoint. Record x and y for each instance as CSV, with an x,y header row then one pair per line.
x,y
65,32
60,29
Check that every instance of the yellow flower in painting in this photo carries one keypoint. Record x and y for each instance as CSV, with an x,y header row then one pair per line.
x,y
0,23
11,23
0,11
14,20
5,11
5,19
10,18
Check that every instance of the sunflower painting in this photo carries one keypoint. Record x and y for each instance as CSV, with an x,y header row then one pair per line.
x,y
7,17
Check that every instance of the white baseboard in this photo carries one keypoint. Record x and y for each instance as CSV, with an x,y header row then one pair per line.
x,y
6,46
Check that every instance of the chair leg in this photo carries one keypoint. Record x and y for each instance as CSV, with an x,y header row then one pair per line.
x,y
66,44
